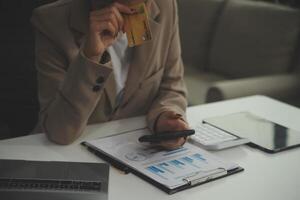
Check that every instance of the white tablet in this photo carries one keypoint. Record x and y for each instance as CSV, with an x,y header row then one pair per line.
x,y
262,133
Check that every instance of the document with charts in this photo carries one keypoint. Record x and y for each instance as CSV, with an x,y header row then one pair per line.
x,y
172,171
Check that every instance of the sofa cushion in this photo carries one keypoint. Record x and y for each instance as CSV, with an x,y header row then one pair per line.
x,y
254,38
197,19
198,82
262,85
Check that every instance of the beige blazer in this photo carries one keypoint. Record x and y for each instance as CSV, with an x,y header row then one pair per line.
x,y
74,91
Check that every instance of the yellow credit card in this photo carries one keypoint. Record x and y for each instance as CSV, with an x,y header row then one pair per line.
x,y
137,26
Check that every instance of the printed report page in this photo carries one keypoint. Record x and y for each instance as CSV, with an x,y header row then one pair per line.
x,y
170,168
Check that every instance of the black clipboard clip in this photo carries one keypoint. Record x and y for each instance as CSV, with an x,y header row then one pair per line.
x,y
199,178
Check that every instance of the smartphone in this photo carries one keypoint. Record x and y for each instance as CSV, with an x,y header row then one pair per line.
x,y
156,138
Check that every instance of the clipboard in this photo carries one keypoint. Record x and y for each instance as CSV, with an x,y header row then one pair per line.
x,y
189,181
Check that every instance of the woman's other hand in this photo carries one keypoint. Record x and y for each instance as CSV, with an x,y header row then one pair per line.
x,y
167,122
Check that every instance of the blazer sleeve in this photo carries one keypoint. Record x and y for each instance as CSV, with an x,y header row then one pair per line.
x,y
172,92
66,91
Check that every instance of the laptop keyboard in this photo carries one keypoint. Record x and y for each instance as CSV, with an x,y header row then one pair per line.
x,y
25,184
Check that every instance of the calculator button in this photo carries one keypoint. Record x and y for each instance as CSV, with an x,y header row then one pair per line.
x,y
208,135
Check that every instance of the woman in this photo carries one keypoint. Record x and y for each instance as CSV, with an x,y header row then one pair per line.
x,y
87,74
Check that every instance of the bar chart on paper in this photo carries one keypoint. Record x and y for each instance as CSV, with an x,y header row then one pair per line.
x,y
170,168
179,167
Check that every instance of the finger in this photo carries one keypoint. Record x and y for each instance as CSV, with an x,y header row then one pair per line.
x,y
107,29
182,125
173,144
123,8
109,11
175,125
172,115
120,7
111,17
171,125
169,114
119,18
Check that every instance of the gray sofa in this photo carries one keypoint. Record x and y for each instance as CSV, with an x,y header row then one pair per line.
x,y
236,48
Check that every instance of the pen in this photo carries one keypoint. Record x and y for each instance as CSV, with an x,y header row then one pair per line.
x,y
156,138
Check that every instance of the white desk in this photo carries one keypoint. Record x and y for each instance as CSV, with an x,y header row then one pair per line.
x,y
266,177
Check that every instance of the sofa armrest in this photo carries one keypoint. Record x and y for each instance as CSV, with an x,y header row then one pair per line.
x,y
277,86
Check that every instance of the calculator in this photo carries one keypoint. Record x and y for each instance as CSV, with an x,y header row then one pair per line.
x,y
212,138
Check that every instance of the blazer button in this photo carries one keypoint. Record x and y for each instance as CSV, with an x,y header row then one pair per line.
x,y
96,88
100,80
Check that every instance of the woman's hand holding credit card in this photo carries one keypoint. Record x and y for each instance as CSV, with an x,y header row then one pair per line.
x,y
108,18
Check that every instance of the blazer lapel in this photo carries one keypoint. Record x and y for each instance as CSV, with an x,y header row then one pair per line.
x,y
142,56
79,15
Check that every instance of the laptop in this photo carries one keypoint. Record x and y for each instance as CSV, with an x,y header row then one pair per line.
x,y
36,180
